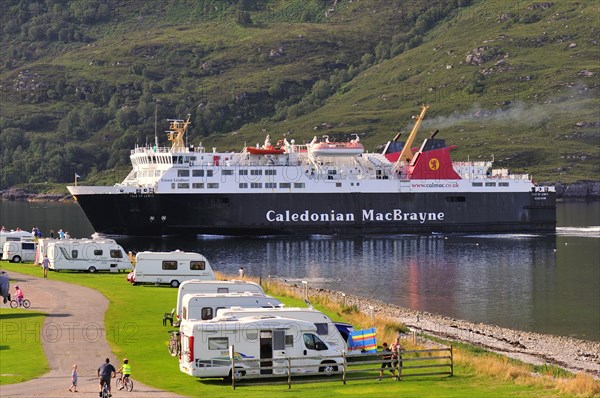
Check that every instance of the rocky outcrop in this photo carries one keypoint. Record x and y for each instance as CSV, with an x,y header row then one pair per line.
x,y
21,194
579,190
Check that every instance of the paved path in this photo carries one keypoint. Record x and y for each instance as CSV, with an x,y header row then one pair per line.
x,y
73,332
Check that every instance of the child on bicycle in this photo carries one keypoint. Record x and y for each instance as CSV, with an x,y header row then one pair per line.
x,y
125,371
19,294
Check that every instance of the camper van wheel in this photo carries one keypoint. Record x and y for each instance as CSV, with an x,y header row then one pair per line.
x,y
16,259
238,374
92,270
328,368
174,283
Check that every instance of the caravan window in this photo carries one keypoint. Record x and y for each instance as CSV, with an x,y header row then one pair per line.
x,y
322,329
206,313
28,246
197,265
74,253
222,290
97,252
168,265
218,343
116,254
279,339
289,340
312,342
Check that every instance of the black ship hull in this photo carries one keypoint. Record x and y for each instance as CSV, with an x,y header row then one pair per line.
x,y
328,214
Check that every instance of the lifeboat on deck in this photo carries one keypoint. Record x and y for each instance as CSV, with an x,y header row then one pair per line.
x,y
327,148
266,149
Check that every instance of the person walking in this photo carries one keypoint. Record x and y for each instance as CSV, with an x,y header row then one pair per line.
x,y
105,372
73,387
46,265
396,363
387,361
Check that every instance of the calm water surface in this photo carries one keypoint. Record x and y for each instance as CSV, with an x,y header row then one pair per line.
x,y
544,283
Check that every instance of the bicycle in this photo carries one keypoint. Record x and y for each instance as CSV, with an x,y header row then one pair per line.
x,y
105,393
174,343
15,303
124,382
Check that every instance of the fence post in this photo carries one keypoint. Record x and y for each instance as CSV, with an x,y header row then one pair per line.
x,y
451,361
399,364
289,370
232,356
344,365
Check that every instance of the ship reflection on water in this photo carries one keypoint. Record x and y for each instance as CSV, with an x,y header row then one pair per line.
x,y
508,280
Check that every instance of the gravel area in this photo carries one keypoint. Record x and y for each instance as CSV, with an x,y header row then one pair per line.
x,y
572,354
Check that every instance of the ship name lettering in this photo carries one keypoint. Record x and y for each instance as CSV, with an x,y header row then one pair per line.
x,y
398,215
306,216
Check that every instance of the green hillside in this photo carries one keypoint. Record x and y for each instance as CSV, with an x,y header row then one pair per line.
x,y
81,81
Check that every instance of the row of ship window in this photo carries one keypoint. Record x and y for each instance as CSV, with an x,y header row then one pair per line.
x,y
490,184
225,172
242,185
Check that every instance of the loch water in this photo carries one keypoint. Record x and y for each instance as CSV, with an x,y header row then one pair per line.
x,y
544,283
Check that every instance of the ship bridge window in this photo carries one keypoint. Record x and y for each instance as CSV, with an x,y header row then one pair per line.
x,y
503,184
243,185
256,185
451,199
209,173
477,184
243,172
490,184
183,185
255,172
338,184
227,172
285,185
212,185
198,185
270,172
183,173
270,185
197,173
298,185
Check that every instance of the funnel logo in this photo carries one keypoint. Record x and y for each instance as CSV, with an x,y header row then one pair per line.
x,y
434,164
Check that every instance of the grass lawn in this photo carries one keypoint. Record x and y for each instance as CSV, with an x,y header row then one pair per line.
x,y
134,330
21,354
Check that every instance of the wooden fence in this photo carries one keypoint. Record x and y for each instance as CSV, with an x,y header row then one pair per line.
x,y
410,363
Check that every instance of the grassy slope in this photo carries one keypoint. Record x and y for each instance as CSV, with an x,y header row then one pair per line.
x,y
537,88
142,338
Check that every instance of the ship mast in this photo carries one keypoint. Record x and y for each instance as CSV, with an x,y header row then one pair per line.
x,y
406,155
177,130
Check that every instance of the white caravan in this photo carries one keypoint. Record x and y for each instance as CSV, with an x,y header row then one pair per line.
x,y
204,306
170,268
19,251
14,236
200,286
326,329
205,347
86,255
43,243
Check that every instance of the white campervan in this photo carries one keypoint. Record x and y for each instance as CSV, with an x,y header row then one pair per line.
x,y
19,251
204,306
326,329
14,236
200,286
271,341
86,255
170,268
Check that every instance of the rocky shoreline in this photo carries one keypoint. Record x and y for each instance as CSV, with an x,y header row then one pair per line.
x,y
572,354
582,190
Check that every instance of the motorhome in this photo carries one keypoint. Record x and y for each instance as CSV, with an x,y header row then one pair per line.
x,y
171,268
207,348
14,236
204,306
18,251
86,255
202,286
326,329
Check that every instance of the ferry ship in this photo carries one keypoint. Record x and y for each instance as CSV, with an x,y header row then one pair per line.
x,y
315,188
